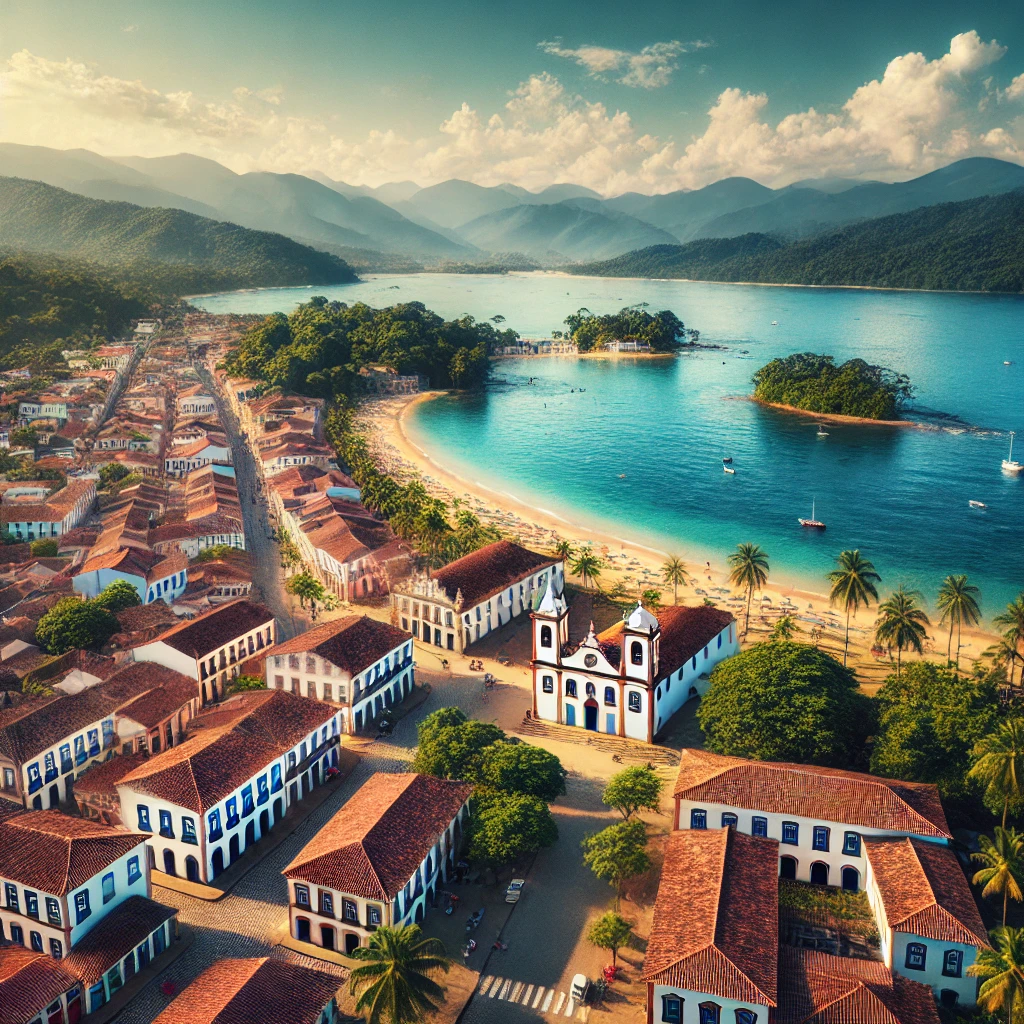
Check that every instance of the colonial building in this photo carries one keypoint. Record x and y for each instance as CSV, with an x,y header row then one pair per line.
x,y
211,648
355,661
462,602
184,458
28,520
155,577
36,989
378,861
204,802
630,679
266,989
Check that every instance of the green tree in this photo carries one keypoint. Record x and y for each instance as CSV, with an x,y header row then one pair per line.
x,y
929,720
1002,968
217,552
651,600
24,437
1012,622
117,596
1003,857
587,566
451,749
306,587
901,622
637,788
618,853
958,604
395,980
853,585
1004,655
508,827
73,623
784,628
45,548
564,550
112,472
783,701
522,768
673,572
999,767
610,931
246,682
749,571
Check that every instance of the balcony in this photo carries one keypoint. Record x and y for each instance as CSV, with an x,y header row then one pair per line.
x,y
382,681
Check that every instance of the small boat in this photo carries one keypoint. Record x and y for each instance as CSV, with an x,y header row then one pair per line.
x,y
775,323
822,432
812,523
977,504
1010,464
727,459
622,476
729,470
1007,362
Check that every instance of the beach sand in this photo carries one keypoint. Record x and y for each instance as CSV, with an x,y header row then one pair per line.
x,y
637,566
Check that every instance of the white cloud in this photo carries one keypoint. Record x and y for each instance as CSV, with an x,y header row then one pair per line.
x,y
650,68
919,114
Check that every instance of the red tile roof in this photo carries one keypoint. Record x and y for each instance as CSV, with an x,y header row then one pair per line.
x,y
56,853
212,631
29,982
817,988
924,890
244,991
715,924
824,794
102,778
353,643
488,571
372,846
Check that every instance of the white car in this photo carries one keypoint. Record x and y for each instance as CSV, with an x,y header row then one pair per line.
x,y
515,888
579,987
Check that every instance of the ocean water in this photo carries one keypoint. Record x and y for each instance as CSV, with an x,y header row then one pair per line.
x,y
635,446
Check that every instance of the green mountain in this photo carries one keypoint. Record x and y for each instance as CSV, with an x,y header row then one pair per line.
x,y
974,245
204,253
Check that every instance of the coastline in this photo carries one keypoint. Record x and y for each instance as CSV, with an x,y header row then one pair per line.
x,y
636,565
835,417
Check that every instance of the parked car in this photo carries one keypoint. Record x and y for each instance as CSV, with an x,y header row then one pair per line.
x,y
579,987
514,890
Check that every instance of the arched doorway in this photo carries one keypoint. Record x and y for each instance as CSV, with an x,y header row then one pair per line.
x,y
590,714
169,866
570,714
326,936
334,757
419,913
37,802
264,822
851,879
314,775
250,834
192,869
233,851
278,810
54,795
351,942
302,929
218,861
819,873
787,867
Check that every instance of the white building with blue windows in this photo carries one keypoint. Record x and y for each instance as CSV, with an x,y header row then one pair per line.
x,y
203,803
155,577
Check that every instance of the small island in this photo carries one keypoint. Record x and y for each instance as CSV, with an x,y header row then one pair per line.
x,y
805,382
632,330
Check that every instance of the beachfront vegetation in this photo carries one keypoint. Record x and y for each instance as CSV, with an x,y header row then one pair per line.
x,y
673,572
853,585
815,383
1003,873
1012,622
1001,968
902,623
784,701
586,565
999,767
749,570
958,605
663,331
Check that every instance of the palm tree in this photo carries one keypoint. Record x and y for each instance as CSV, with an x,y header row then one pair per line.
x,y
901,622
853,585
1002,967
784,628
750,570
587,566
958,605
564,550
1003,857
999,765
674,572
395,983
432,526
1012,620
1004,654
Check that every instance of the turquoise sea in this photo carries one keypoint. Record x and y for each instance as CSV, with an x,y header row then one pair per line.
x,y
900,495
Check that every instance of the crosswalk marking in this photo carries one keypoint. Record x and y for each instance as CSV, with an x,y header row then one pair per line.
x,y
538,997
494,988
485,983
503,994
570,1009
527,994
558,1006
547,1001
517,990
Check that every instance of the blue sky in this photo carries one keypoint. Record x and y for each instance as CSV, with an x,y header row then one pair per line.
x,y
614,95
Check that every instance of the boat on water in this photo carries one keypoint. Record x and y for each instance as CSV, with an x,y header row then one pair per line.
x,y
1007,362
729,470
727,459
822,432
812,523
775,323
1010,464
977,504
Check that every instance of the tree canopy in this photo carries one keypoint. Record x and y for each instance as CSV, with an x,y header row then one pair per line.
x,y
637,788
507,827
618,852
663,331
117,596
73,623
522,768
784,701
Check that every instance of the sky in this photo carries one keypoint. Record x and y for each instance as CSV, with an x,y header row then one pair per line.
x,y
639,96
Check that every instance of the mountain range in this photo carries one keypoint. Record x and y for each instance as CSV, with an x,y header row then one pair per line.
x,y
400,225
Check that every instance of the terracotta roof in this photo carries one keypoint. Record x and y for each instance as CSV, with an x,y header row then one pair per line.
x,y
372,846
924,890
490,570
243,991
818,988
29,982
353,643
28,730
824,794
715,924
115,936
133,561
212,631
103,777
166,692
56,853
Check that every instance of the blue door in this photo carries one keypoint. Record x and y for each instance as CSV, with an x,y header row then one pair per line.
x,y
570,714
610,724
590,715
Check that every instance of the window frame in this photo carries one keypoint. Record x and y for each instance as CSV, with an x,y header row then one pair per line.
x,y
698,819
547,684
914,950
729,818
820,838
134,869
758,822
109,892
958,970
634,702
795,827
851,844
82,908
671,1018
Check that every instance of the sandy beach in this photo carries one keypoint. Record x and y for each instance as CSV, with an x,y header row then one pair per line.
x,y
637,566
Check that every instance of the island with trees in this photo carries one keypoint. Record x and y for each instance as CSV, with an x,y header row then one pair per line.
x,y
806,382
663,332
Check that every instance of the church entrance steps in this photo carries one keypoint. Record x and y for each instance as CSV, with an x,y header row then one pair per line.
x,y
628,751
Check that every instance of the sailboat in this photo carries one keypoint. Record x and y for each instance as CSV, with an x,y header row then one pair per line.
x,y
822,432
1010,464
812,523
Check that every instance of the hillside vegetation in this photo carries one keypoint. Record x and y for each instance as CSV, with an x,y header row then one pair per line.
x,y
975,245
181,252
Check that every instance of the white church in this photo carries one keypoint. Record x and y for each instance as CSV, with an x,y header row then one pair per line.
x,y
630,679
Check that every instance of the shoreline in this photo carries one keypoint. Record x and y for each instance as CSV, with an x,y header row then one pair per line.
x,y
836,417
636,565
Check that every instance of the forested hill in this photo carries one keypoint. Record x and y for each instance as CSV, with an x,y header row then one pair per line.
x,y
975,245
186,253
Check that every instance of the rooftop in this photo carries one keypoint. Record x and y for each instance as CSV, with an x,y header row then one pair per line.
x,y
29,982
353,643
488,571
210,632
